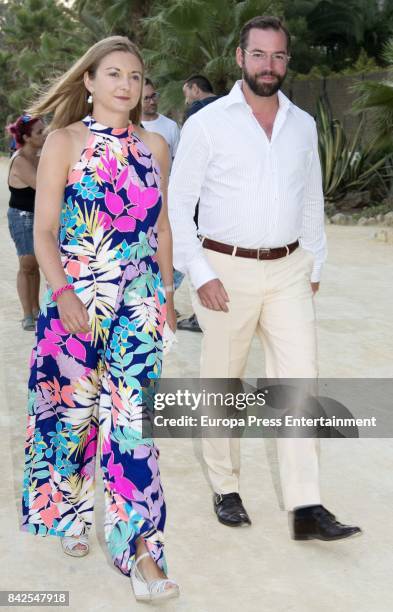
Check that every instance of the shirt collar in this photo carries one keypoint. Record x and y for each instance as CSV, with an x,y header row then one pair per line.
x,y
236,96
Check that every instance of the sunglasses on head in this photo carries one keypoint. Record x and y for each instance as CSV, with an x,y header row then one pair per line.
x,y
26,118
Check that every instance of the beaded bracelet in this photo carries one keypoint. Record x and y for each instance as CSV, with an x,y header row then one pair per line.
x,y
56,294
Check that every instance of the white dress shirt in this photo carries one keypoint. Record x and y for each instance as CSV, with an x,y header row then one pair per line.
x,y
254,192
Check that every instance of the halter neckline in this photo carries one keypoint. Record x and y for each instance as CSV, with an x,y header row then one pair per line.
x,y
95,126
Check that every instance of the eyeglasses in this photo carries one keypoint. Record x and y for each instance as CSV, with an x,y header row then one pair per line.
x,y
26,118
262,56
154,96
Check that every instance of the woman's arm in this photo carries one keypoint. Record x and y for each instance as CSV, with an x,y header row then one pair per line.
x,y
51,180
160,151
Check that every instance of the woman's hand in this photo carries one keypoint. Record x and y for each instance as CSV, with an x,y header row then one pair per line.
x,y
73,313
171,317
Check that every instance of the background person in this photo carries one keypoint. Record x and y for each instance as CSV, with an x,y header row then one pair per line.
x,y
198,93
29,137
153,121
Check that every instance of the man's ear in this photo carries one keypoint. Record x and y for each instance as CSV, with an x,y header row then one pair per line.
x,y
239,57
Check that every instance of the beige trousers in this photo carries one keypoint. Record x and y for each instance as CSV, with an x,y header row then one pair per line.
x,y
274,300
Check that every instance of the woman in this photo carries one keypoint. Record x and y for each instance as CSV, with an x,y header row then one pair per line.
x,y
99,332
29,136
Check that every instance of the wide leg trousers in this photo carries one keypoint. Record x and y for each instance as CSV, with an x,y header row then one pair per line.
x,y
272,299
86,401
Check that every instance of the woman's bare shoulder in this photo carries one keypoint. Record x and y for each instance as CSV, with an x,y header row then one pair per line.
x,y
151,138
57,139
19,161
155,142
77,129
63,141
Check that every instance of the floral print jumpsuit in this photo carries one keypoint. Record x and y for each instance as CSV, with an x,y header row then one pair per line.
x,y
86,391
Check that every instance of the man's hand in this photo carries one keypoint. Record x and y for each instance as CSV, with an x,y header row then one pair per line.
x,y
314,287
213,295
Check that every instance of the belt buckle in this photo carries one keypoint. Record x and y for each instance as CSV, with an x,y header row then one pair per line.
x,y
263,250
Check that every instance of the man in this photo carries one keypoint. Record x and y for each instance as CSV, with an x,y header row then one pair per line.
x,y
198,92
153,121
252,159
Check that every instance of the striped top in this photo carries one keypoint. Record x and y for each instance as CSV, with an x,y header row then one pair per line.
x,y
254,192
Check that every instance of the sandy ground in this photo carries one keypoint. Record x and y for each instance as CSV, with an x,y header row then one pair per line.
x,y
218,568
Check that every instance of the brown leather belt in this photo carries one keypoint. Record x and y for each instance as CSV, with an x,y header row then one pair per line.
x,y
262,253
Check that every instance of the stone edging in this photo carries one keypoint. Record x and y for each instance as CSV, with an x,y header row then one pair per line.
x,y
381,234
385,220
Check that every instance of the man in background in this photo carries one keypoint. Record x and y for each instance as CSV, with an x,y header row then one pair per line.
x,y
153,121
198,92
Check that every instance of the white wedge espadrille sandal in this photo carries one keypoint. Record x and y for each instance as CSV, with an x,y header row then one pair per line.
x,y
154,590
69,543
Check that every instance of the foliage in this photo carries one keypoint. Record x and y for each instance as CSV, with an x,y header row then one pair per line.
x,y
122,17
377,97
196,36
343,27
39,40
331,34
304,55
346,166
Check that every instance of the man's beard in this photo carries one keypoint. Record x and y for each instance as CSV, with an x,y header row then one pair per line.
x,y
150,111
263,89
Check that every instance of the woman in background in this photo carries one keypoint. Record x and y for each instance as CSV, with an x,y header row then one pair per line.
x,y
29,136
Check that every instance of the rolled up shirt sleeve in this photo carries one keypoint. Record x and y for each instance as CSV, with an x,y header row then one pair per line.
x,y
313,237
186,179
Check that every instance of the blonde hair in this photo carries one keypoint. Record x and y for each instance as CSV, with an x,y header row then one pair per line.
x,y
66,98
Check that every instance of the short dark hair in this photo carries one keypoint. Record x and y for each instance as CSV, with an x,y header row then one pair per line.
x,y
149,82
201,81
263,22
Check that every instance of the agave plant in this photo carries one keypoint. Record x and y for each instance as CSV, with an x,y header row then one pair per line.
x,y
347,165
